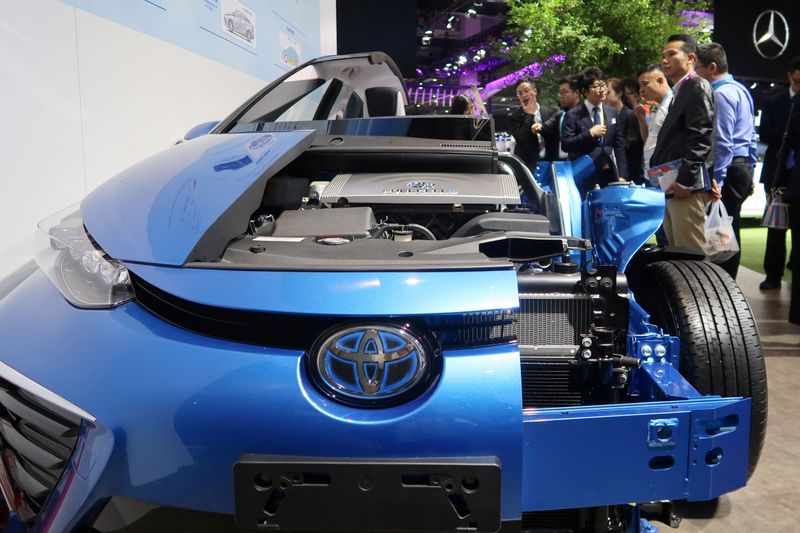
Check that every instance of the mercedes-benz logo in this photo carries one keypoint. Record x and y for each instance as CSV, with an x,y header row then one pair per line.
x,y
370,364
770,34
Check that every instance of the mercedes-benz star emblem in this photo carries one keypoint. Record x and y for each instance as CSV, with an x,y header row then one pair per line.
x,y
370,364
770,34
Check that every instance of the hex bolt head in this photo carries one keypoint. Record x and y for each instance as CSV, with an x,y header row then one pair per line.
x,y
586,354
586,342
661,350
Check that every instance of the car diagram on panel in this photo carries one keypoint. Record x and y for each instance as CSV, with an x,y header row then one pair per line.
x,y
327,315
238,21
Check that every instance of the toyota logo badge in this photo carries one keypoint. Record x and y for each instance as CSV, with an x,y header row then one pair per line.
x,y
371,365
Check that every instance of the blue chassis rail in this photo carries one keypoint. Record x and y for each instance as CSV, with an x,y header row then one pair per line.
x,y
692,449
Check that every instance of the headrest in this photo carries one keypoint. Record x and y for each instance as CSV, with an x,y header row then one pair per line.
x,y
381,101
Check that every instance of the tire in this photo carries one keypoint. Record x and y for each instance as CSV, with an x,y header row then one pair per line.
x,y
721,354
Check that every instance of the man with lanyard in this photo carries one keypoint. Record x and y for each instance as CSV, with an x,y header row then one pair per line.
x,y
735,152
653,87
569,96
686,139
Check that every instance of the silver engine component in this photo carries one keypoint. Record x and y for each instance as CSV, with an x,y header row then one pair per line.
x,y
429,188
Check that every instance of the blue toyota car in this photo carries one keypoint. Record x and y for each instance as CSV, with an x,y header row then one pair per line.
x,y
324,314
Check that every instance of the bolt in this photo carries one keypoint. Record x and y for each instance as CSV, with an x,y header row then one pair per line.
x,y
661,350
586,342
586,354
366,483
646,350
606,283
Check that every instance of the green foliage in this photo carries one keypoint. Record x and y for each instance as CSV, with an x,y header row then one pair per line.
x,y
619,36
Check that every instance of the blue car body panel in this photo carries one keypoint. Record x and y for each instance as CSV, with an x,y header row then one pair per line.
x,y
340,293
202,403
158,210
206,402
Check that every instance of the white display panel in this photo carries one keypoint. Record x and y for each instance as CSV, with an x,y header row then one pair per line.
x,y
85,97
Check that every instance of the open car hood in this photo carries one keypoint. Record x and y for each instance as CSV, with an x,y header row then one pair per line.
x,y
186,203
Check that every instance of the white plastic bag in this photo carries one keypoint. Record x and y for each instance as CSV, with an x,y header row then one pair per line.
x,y
721,242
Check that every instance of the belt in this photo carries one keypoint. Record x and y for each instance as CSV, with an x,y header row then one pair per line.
x,y
740,159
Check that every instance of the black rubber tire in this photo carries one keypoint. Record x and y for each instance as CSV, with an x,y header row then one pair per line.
x,y
721,354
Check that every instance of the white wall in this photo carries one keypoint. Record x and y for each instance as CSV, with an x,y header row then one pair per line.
x,y
83,98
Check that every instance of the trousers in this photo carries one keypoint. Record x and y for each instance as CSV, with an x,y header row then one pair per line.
x,y
738,186
684,221
794,226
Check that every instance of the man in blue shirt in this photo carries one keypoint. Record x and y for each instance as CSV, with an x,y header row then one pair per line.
x,y
735,137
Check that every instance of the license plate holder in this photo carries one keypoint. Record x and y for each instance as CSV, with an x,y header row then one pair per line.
x,y
313,494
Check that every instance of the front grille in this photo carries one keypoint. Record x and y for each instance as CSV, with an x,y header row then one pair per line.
x,y
299,331
37,441
547,326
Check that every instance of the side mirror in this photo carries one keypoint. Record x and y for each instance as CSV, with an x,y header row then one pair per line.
x,y
199,131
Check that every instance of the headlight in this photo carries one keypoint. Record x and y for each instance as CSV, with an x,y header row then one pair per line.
x,y
84,273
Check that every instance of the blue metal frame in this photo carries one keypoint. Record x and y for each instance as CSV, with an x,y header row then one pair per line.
x,y
576,457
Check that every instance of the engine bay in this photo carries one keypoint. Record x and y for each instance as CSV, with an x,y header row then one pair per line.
x,y
400,220
400,206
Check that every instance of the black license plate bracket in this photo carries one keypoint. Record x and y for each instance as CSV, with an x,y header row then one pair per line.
x,y
313,494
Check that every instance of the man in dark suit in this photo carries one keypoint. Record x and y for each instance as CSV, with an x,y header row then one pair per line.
x,y
792,195
527,121
592,129
773,125
687,137
569,96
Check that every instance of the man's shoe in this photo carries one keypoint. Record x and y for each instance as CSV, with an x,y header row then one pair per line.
x,y
770,284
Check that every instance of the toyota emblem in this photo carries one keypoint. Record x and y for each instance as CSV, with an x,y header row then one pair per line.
x,y
371,365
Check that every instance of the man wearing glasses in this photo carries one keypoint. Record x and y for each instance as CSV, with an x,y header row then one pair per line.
x,y
592,129
686,139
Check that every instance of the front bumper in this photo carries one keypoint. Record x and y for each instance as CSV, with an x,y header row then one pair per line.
x,y
175,411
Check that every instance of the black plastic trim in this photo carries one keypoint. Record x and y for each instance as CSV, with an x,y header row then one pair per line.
x,y
299,331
